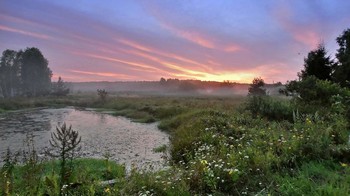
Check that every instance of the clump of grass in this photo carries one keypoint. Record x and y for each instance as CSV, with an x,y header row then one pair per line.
x,y
270,108
160,149
314,178
2,110
137,116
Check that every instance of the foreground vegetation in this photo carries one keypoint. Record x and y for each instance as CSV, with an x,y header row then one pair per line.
x,y
237,146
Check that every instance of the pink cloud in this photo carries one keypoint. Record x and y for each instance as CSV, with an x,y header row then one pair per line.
x,y
275,72
232,48
306,35
144,67
27,33
17,20
134,45
174,67
190,35
201,39
149,50
196,38
104,74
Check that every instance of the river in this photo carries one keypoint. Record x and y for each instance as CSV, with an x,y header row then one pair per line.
x,y
126,142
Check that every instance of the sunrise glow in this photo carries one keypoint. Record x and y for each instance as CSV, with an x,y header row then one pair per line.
x,y
147,40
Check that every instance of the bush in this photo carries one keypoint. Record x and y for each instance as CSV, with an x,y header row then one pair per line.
x,y
102,94
256,89
269,108
313,91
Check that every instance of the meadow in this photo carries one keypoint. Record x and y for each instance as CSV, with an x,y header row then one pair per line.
x,y
238,145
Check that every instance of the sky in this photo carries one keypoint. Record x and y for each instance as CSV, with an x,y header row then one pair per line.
x,y
144,40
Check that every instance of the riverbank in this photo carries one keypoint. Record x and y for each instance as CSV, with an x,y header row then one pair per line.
x,y
241,146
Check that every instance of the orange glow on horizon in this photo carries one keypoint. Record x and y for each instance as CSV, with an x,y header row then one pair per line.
x,y
184,73
242,77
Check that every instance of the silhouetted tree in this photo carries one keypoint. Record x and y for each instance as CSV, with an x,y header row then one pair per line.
x,y
102,94
226,83
10,73
162,81
342,71
256,87
35,73
317,64
60,88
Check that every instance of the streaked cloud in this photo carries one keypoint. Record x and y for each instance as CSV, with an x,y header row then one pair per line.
x,y
23,32
191,36
113,75
232,48
146,40
144,67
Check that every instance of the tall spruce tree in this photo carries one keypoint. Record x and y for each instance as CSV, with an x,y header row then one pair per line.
x,y
342,71
318,64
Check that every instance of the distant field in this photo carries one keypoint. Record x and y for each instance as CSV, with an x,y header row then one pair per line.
x,y
179,88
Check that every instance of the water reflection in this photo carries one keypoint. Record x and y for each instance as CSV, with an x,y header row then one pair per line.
x,y
127,142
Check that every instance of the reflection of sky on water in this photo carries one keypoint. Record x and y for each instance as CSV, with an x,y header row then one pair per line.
x,y
126,141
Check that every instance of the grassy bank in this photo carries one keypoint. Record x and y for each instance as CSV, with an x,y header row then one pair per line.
x,y
24,103
236,146
42,178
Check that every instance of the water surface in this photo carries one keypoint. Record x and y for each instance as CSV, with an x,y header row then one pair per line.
x,y
125,141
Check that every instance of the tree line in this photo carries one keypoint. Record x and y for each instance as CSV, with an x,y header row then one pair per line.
x,y
26,73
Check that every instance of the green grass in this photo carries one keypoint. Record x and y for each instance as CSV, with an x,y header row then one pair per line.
x,y
221,146
135,115
42,178
314,178
160,149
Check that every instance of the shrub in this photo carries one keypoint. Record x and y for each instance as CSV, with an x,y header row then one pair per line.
x,y
65,140
60,88
270,108
314,91
102,94
256,87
